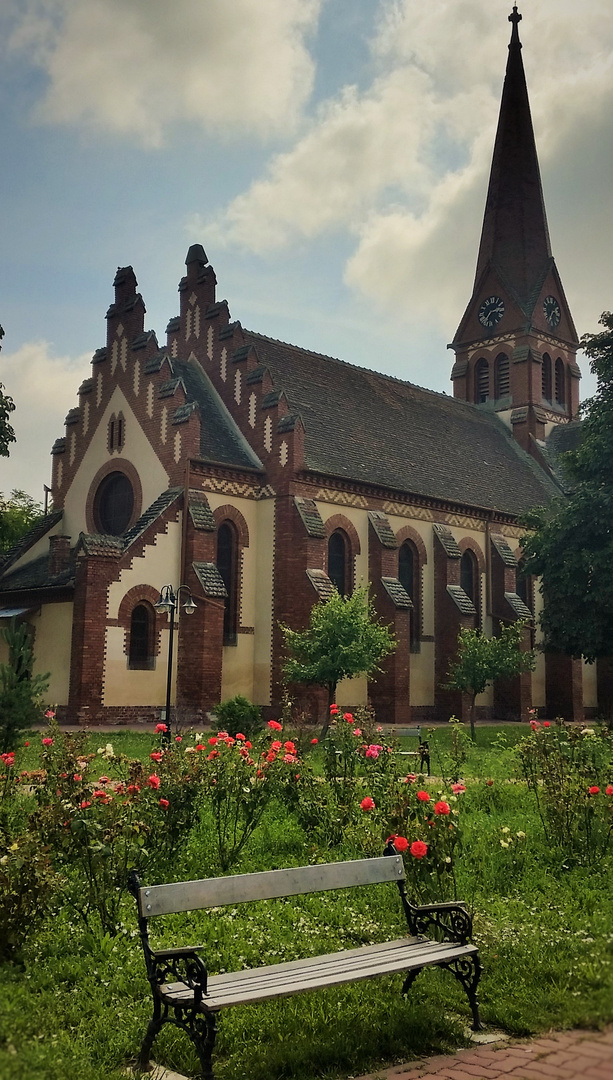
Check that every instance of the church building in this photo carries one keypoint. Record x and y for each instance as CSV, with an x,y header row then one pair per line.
x,y
261,476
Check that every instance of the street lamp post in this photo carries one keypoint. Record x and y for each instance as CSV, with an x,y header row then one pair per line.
x,y
169,602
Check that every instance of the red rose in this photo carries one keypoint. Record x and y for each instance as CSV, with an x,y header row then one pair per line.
x,y
594,790
240,736
200,746
423,796
276,745
546,723
367,803
418,849
334,709
400,842
156,755
212,742
609,789
133,789
275,725
490,783
442,808
154,781
271,756
212,755
47,742
178,738
164,804
77,779
314,742
457,788
99,794
290,747
26,744
248,744
161,728
348,717
85,804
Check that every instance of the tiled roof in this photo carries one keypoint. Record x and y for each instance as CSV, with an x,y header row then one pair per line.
x,y
448,541
518,605
100,544
32,537
461,599
35,575
321,583
364,426
211,580
200,512
502,547
154,511
220,438
396,592
383,529
311,518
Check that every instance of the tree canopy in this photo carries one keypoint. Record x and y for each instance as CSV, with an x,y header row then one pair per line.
x,y
481,660
18,514
570,543
343,639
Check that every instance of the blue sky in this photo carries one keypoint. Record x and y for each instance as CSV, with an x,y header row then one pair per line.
x,y
330,155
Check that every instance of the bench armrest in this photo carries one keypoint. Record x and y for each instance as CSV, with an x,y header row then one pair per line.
x,y
179,965
450,921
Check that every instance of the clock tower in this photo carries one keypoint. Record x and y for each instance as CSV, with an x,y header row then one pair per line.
x,y
516,344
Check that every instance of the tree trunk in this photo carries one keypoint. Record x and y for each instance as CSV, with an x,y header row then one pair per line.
x,y
473,714
326,723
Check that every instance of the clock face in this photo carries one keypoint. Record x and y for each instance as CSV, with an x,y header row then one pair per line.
x,y
552,311
491,311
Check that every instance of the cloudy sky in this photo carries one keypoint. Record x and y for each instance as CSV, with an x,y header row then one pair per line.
x,y
331,156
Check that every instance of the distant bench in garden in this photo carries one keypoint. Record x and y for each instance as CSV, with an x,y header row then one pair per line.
x,y
186,995
423,749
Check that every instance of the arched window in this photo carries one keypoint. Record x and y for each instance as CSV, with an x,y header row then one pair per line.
x,y
408,575
482,380
469,577
502,378
547,377
227,564
113,504
142,621
560,380
338,561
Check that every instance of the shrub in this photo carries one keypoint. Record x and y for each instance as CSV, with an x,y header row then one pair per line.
x,y
238,714
569,770
20,690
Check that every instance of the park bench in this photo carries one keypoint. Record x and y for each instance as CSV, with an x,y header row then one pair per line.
x,y
186,995
423,748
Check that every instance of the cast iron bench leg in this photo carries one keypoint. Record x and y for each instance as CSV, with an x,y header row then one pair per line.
x,y
467,970
202,1030
155,1025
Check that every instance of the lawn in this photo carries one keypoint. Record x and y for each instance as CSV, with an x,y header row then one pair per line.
x,y
75,1001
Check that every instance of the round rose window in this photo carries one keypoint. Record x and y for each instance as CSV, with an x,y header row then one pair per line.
x,y
113,504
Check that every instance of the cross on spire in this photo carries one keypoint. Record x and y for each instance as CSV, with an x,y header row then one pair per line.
x,y
515,18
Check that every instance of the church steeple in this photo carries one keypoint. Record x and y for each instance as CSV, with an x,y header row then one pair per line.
x,y
516,343
515,237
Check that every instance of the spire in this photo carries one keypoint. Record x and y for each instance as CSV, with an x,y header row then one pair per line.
x,y
515,237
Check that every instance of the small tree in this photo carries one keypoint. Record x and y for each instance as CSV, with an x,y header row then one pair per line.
x,y
20,690
480,660
18,515
344,639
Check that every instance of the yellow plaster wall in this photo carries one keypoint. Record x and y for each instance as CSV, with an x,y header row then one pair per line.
x,y
137,450
159,565
237,668
590,685
422,663
125,687
52,647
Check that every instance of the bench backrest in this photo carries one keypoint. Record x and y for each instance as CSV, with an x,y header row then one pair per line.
x,y
269,885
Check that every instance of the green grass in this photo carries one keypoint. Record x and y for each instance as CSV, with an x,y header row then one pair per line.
x,y
77,1006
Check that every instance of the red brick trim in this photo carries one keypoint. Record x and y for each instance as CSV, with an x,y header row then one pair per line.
x,y
467,543
131,599
339,521
230,513
407,533
115,465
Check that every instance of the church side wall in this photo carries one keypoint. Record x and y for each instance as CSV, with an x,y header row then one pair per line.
x,y
53,630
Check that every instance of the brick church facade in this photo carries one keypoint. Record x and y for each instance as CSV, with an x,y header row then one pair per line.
x,y
262,475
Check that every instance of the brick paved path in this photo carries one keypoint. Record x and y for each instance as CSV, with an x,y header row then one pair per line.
x,y
567,1055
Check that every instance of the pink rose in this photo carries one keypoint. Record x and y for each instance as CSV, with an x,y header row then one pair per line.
x,y
160,728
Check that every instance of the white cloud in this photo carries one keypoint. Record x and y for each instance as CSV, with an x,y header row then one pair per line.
x,y
403,165
140,66
43,388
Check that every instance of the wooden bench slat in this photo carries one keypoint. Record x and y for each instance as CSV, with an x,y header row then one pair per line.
x,y
334,969
269,885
